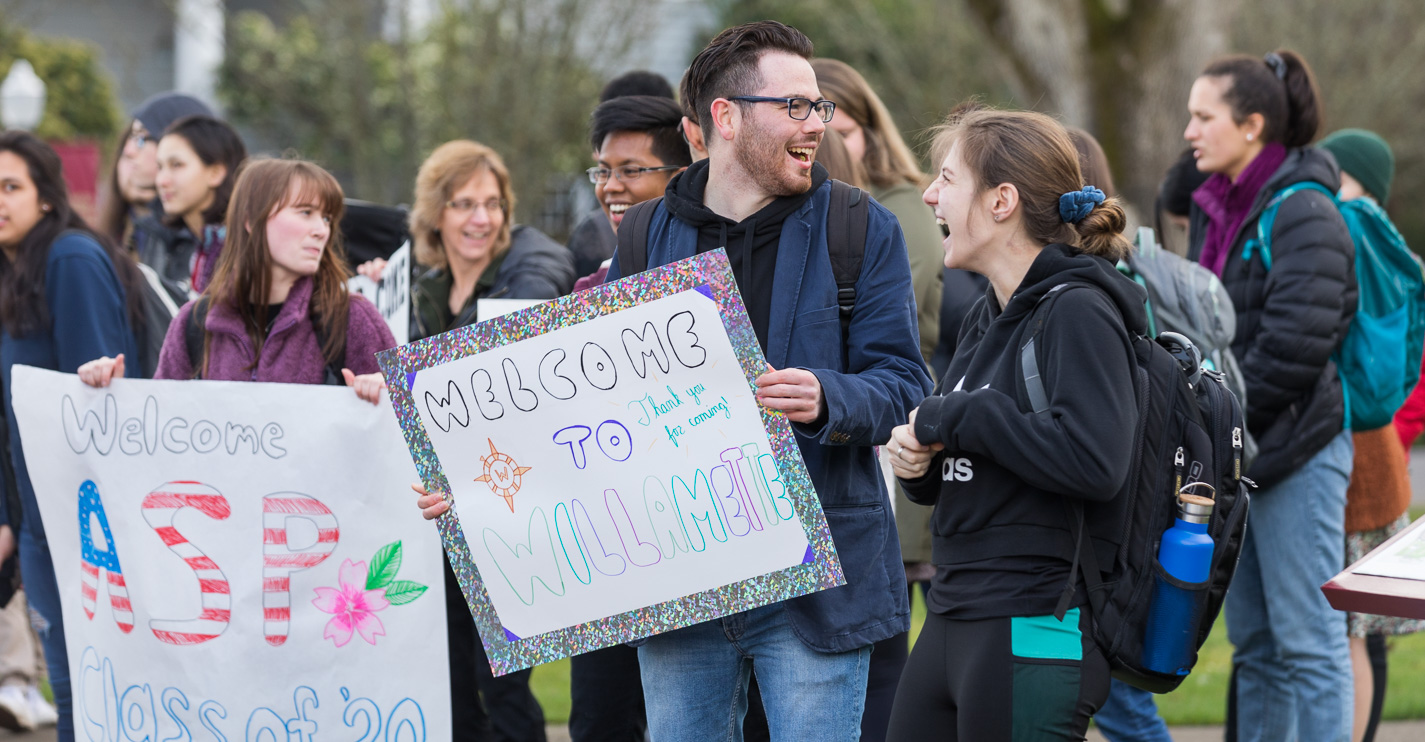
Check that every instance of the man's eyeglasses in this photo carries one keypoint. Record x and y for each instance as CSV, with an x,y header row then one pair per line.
x,y
465,206
600,175
797,108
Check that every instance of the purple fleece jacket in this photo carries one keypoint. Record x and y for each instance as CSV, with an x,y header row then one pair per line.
x,y
290,354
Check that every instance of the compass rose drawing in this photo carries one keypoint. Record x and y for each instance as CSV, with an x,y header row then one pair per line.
x,y
502,474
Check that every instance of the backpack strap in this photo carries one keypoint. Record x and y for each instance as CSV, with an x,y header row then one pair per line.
x,y
331,372
1085,563
196,327
633,237
1029,357
1263,240
846,245
193,332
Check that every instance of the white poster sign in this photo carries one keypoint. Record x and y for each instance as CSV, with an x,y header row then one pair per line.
x,y
392,296
236,561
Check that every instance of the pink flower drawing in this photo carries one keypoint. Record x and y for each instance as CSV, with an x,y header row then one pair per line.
x,y
352,606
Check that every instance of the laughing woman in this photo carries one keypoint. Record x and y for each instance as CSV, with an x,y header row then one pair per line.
x,y
993,662
66,296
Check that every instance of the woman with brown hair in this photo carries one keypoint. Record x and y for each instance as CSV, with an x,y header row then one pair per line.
x,y
462,226
993,662
278,308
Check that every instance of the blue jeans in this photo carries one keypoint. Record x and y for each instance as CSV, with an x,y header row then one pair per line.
x,y
695,681
37,570
1291,655
1131,715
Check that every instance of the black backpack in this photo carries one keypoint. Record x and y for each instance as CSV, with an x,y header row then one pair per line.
x,y
1189,440
845,242
197,324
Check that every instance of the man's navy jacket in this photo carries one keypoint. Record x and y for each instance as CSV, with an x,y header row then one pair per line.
x,y
869,389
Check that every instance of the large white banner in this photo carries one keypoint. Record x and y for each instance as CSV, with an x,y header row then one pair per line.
x,y
237,561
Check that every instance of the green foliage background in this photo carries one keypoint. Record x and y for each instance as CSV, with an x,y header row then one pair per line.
x,y
370,106
79,98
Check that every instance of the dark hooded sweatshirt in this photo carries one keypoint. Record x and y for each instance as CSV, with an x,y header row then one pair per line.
x,y
751,243
1002,542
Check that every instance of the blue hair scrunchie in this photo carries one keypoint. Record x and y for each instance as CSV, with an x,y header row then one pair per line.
x,y
1075,205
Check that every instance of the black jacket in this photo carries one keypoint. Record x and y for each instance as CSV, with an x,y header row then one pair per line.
x,y
1002,537
534,267
1290,319
592,242
169,252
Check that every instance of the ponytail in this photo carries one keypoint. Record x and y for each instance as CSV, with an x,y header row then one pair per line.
x,y
1303,101
1280,86
1101,232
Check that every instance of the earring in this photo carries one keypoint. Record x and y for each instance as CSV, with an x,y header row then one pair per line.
x,y
44,207
1251,136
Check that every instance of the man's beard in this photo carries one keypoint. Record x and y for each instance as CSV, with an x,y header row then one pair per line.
x,y
764,160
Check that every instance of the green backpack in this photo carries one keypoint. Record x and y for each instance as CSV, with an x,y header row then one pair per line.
x,y
1379,361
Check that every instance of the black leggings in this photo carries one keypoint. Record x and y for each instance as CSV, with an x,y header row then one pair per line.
x,y
1000,679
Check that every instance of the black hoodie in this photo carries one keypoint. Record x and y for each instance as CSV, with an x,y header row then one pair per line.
x,y
751,243
1002,541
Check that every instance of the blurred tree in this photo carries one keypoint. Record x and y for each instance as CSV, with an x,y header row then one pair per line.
x,y
79,99
1118,68
355,85
1369,59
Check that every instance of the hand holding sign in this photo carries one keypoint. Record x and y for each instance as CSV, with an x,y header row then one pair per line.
x,y
794,391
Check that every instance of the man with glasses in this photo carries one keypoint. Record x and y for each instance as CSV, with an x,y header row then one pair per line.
x,y
591,241
637,149
761,196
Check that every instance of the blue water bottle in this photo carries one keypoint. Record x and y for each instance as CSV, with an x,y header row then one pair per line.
x,y
1186,554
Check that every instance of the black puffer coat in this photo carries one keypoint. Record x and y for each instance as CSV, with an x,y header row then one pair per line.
x,y
1290,319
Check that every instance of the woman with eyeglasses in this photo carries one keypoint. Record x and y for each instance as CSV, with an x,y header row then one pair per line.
x,y
461,225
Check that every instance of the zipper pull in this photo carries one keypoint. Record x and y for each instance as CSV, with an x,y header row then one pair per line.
x,y
1237,453
1179,461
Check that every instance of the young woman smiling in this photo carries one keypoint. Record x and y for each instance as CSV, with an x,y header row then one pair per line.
x,y
66,295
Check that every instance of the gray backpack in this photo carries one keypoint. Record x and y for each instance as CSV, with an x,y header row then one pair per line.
x,y
1188,299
